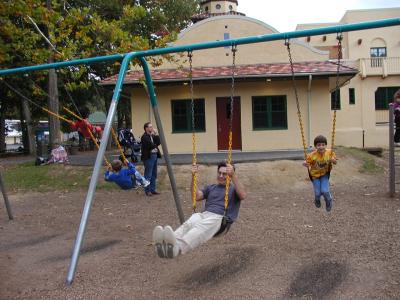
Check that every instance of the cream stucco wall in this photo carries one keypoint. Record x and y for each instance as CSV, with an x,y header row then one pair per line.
x,y
252,140
225,6
213,29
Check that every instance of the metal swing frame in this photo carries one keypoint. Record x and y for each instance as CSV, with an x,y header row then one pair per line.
x,y
141,56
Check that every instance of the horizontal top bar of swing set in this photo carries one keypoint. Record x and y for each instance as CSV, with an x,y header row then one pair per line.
x,y
213,44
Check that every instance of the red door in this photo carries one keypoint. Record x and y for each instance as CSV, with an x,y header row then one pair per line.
x,y
223,115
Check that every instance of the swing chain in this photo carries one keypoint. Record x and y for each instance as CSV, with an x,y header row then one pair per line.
x,y
303,139
194,150
339,37
230,135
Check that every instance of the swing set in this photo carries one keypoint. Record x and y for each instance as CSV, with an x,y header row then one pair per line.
x,y
141,56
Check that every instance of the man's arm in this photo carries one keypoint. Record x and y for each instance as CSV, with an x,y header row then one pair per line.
x,y
239,187
199,192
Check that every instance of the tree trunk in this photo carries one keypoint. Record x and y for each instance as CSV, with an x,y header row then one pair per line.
x,y
53,103
2,129
30,145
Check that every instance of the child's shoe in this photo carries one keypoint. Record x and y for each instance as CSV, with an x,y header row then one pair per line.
x,y
145,183
317,202
328,205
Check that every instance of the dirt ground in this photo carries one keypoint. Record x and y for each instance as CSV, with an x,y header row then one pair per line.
x,y
281,247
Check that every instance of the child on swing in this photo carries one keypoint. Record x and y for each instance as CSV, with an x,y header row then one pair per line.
x,y
396,111
320,163
125,178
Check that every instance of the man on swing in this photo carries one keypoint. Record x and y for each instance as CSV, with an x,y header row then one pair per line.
x,y
201,227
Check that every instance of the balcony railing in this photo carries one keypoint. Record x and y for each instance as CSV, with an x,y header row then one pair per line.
x,y
379,66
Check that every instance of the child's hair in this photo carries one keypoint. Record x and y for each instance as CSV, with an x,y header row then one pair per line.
x,y
397,95
84,112
223,164
320,139
146,125
116,164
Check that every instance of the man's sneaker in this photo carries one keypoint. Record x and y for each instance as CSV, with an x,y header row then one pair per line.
x,y
171,245
317,203
328,205
158,241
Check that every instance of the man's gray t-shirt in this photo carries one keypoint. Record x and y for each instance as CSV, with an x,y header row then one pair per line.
x,y
215,201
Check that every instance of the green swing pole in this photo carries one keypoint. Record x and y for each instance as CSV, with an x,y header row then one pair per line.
x,y
154,104
97,168
215,44
6,202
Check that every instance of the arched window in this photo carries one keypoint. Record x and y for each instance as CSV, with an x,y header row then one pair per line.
x,y
206,8
230,7
218,6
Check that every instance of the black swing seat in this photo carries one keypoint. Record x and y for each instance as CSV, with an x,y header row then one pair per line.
x,y
225,226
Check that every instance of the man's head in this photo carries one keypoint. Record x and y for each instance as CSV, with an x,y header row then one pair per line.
x,y
320,143
148,127
116,165
221,174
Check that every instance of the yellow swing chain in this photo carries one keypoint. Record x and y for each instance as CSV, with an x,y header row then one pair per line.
x,y
337,88
230,135
303,139
194,143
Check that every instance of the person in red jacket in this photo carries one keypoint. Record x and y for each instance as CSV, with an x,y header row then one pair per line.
x,y
83,127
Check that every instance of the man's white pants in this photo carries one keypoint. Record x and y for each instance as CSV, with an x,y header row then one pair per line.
x,y
198,229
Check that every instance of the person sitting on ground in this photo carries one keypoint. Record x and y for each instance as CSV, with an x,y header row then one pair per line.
x,y
58,155
320,163
125,178
201,227
396,111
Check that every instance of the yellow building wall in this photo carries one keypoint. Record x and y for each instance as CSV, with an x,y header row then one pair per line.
x,y
258,140
213,29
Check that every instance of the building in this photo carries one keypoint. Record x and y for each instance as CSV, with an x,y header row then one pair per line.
x,y
265,115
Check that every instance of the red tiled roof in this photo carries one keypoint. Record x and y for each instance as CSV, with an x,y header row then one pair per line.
x,y
242,71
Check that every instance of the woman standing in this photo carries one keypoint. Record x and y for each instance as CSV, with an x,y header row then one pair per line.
x,y
150,155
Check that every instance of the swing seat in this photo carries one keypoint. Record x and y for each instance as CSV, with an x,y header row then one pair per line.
x,y
225,226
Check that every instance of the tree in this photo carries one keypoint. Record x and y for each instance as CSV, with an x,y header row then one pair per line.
x,y
31,32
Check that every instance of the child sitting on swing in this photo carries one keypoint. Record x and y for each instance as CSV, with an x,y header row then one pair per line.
x,y
125,178
320,163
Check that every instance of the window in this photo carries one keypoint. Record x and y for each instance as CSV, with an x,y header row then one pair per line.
x,y
182,116
383,96
230,7
218,6
376,54
269,112
352,96
335,100
206,9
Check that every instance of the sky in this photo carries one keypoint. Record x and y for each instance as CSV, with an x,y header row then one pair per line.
x,y
284,15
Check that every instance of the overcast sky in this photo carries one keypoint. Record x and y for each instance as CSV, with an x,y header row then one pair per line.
x,y
284,15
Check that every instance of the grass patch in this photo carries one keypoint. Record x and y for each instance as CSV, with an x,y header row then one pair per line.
x,y
369,165
28,177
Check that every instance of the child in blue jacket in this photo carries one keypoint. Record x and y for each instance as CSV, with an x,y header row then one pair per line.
x,y
126,178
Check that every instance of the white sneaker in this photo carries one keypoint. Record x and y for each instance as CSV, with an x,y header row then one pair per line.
x,y
158,241
145,183
171,245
